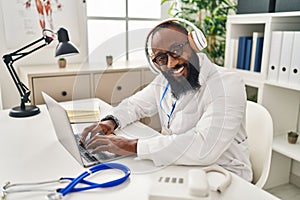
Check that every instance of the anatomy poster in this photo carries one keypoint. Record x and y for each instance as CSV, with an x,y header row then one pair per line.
x,y
24,20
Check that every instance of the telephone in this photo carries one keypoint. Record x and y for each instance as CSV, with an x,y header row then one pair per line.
x,y
196,183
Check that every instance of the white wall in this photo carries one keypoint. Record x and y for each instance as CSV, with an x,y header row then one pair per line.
x,y
10,95
1,105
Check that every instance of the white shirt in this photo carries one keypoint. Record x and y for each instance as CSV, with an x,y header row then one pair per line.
x,y
206,127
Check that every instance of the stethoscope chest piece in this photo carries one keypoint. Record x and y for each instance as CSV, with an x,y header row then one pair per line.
x,y
54,196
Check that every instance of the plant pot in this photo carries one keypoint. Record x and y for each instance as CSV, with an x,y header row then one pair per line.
x,y
109,60
62,63
292,137
292,140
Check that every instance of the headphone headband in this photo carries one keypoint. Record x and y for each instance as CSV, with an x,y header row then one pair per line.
x,y
196,39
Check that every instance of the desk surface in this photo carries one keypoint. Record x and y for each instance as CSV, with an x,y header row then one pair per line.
x,y
30,152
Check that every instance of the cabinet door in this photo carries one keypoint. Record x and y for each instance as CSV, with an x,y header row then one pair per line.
x,y
61,88
148,76
113,87
154,121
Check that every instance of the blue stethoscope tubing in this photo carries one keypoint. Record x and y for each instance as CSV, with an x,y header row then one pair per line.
x,y
92,185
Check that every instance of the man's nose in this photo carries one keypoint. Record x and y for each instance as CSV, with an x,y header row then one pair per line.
x,y
172,62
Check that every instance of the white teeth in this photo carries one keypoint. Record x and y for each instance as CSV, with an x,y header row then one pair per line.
x,y
179,70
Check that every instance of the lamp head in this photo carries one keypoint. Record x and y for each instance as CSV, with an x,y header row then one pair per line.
x,y
64,47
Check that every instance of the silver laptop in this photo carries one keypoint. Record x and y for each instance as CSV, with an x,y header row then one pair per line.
x,y
69,140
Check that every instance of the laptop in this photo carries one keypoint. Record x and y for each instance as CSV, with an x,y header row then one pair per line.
x,y
69,139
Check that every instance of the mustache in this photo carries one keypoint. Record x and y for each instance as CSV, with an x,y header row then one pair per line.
x,y
176,67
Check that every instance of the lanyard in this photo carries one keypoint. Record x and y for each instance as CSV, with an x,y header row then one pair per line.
x,y
173,106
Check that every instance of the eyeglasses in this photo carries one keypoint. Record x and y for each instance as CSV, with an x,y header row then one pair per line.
x,y
161,59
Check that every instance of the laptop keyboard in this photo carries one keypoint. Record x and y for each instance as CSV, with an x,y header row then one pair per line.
x,y
101,156
86,154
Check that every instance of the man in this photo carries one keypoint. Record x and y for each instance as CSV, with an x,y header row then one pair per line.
x,y
201,108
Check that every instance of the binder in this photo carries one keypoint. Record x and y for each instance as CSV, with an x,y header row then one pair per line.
x,y
248,53
241,52
233,52
255,35
258,54
275,52
294,76
285,58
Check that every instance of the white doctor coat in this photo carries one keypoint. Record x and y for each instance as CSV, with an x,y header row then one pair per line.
x,y
206,127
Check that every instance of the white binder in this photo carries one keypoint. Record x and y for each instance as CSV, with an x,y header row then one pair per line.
x,y
275,52
294,77
285,58
255,35
233,52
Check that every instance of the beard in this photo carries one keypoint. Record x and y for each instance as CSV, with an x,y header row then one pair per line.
x,y
182,85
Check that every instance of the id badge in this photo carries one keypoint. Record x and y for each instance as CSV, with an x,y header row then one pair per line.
x,y
166,131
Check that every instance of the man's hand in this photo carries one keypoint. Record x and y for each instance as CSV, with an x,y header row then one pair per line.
x,y
105,127
112,143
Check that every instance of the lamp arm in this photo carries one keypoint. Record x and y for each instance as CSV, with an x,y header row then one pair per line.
x,y
9,59
23,90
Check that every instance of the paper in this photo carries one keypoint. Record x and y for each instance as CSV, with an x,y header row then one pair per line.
x,y
83,116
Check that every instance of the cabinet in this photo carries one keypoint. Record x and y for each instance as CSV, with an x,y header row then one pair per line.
x,y
124,85
281,100
78,81
61,87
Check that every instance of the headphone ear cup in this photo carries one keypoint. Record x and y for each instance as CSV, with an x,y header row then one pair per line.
x,y
192,42
197,41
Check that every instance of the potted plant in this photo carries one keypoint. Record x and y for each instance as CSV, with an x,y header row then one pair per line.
x,y
62,62
109,60
210,17
292,137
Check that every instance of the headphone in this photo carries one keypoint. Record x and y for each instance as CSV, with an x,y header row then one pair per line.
x,y
196,39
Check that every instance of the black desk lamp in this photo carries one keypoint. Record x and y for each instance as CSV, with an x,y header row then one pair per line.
x,y
65,47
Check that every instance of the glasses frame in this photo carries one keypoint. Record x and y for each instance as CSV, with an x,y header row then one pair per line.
x,y
175,52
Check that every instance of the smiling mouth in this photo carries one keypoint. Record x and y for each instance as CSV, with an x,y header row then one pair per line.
x,y
178,71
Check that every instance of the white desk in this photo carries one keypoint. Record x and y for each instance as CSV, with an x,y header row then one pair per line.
x,y
30,152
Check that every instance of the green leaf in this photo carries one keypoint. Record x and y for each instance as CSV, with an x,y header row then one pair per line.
x,y
213,23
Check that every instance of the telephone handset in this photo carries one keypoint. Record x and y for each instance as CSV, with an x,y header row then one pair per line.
x,y
198,184
194,184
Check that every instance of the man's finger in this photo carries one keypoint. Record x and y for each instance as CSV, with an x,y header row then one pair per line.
x,y
96,140
85,133
100,148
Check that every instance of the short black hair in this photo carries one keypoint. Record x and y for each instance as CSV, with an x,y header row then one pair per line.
x,y
169,25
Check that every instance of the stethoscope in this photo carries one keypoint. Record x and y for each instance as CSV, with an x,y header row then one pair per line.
x,y
61,192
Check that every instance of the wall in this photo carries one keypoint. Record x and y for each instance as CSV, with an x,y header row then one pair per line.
x,y
9,92
10,95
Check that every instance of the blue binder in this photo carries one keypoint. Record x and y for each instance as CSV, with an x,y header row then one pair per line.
x,y
242,52
258,54
248,53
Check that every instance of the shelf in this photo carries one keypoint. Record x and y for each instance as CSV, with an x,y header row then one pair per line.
x,y
281,100
286,86
281,145
263,15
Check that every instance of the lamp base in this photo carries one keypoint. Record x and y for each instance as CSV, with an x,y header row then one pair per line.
x,y
29,111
